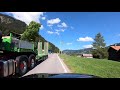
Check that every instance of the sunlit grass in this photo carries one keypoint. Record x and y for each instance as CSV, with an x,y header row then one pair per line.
x,y
99,67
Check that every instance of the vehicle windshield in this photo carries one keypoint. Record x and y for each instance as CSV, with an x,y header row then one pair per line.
x,y
46,44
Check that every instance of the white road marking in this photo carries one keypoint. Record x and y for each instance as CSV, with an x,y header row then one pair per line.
x,y
62,64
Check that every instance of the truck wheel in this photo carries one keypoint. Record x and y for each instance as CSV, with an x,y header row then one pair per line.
x,y
44,58
32,61
22,65
47,57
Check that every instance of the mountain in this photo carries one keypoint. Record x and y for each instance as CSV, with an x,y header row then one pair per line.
x,y
81,51
87,50
8,24
117,44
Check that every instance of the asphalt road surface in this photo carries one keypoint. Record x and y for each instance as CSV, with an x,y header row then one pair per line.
x,y
51,65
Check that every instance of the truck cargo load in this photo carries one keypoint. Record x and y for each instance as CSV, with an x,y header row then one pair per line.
x,y
18,56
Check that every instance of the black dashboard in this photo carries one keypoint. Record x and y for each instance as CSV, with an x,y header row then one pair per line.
x,y
62,75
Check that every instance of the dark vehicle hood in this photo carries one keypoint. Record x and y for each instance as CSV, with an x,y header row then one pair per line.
x,y
63,75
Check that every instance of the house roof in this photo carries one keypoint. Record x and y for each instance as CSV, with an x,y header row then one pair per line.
x,y
87,55
115,47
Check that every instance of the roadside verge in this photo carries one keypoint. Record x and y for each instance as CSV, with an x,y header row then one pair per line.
x,y
66,69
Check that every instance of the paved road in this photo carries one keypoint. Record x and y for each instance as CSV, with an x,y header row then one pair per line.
x,y
51,65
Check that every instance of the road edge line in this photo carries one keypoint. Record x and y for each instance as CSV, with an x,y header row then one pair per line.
x,y
62,64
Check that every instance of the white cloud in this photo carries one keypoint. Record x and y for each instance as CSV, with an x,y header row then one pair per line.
x,y
57,33
59,25
85,39
118,34
50,32
63,25
60,30
41,27
27,17
57,30
43,18
68,43
53,21
72,27
87,46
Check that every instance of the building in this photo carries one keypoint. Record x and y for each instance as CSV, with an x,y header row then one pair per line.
x,y
114,53
87,55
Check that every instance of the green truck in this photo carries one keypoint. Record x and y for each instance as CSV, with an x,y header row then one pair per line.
x,y
18,56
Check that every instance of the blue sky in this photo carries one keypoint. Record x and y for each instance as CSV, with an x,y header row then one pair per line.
x,y
74,30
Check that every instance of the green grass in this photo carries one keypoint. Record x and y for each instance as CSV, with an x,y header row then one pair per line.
x,y
99,67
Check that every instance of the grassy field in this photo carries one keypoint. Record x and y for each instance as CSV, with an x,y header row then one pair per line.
x,y
99,67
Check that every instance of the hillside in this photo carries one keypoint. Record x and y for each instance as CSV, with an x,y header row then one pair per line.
x,y
8,24
81,51
86,50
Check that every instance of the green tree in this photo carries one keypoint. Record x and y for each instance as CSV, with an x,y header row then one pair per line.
x,y
31,32
50,47
99,50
